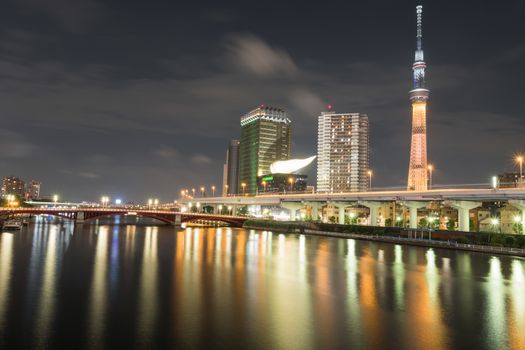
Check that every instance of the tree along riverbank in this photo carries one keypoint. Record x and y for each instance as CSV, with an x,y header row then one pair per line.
x,y
486,242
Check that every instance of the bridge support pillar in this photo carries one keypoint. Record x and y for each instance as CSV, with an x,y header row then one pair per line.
x,y
292,207
178,219
80,219
374,212
316,206
464,208
520,204
413,206
342,211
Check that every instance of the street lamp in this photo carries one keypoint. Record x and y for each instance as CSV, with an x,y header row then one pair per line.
x,y
150,203
193,192
220,208
213,191
519,160
290,180
430,168
55,199
230,210
369,180
226,190
202,191
494,222
156,202
264,185
243,185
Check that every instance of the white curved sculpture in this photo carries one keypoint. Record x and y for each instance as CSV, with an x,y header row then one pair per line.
x,y
290,166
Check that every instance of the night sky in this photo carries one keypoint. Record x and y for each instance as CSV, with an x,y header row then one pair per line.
x,y
138,99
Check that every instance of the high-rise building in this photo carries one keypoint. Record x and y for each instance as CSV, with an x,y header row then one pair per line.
x,y
418,171
13,185
265,138
33,189
342,152
230,180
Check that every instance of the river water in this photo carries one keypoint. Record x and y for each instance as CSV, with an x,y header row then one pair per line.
x,y
142,286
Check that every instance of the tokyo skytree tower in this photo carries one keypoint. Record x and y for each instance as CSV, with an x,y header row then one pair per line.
x,y
417,171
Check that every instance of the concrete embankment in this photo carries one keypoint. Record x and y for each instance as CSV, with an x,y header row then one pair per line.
x,y
448,244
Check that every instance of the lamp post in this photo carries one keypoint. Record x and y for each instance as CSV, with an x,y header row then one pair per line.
x,y
193,192
55,199
213,190
243,185
369,180
430,168
264,185
226,190
519,160
202,191
150,203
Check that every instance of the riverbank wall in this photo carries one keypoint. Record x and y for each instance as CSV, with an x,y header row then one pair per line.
x,y
468,241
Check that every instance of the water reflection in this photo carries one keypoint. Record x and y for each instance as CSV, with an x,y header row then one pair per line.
x,y
231,288
98,295
6,258
148,299
495,315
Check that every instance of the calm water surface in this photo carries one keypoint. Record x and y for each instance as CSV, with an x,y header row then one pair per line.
x,y
109,285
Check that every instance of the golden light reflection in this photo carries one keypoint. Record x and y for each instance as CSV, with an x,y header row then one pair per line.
x,y
46,300
516,327
372,325
495,321
6,257
290,272
98,293
354,311
148,299
398,270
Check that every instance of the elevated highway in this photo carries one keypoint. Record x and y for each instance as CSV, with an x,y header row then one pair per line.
x,y
461,199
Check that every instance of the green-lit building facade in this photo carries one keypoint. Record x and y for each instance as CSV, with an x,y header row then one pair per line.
x,y
265,138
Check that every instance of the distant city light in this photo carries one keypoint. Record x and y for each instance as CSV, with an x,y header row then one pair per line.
x,y
118,201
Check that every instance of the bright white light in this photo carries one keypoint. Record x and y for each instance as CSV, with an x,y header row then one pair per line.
x,y
290,166
517,218
118,201
494,221
494,182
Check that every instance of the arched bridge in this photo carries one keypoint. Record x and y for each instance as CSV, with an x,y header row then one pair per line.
x,y
84,214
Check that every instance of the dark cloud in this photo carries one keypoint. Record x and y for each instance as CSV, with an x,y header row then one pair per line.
x,y
74,15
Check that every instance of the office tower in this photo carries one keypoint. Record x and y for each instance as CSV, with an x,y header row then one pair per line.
x,y
265,138
418,168
342,152
231,169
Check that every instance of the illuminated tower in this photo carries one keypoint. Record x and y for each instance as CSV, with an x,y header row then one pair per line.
x,y
417,171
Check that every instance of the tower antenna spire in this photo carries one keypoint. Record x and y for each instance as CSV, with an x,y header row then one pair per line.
x,y
419,12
